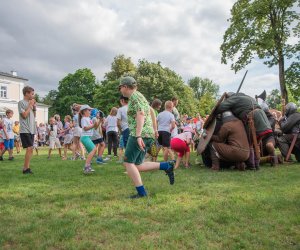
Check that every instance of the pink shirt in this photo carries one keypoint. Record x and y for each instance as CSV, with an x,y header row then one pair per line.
x,y
184,136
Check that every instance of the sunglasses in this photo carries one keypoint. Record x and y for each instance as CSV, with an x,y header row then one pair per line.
x,y
121,87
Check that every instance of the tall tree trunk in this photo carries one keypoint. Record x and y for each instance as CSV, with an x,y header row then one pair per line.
x,y
283,89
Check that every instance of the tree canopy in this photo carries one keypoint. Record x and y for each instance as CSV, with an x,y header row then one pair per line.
x,y
261,28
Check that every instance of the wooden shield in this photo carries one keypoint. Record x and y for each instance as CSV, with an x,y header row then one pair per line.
x,y
212,115
206,136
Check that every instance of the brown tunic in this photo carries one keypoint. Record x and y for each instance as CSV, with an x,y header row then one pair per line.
x,y
231,142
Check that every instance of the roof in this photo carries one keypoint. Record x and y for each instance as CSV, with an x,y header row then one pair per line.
x,y
12,76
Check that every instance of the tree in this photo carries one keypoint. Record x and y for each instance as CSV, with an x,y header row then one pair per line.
x,y
262,28
106,94
120,66
156,81
78,87
293,75
202,86
274,99
49,99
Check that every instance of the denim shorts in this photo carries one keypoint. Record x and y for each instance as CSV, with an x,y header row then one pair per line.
x,y
9,144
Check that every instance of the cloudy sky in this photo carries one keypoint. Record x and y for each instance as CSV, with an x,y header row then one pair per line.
x,y
45,40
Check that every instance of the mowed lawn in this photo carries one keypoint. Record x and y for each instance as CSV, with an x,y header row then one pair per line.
x,y
60,208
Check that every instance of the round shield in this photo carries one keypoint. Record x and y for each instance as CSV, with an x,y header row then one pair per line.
x,y
206,136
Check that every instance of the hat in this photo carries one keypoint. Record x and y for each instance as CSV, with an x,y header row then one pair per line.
x,y
127,81
189,118
85,106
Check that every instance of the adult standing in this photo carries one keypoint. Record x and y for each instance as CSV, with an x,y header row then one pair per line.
x,y
142,126
27,112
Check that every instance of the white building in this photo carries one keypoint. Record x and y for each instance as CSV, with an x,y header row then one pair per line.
x,y
11,86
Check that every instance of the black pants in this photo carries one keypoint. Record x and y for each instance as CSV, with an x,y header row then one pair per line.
x,y
112,138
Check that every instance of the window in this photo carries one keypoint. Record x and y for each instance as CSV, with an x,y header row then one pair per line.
x,y
3,92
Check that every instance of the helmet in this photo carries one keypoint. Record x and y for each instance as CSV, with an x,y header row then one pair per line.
x,y
94,112
264,106
290,108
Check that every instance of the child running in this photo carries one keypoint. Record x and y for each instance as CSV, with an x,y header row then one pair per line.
x,y
97,138
8,135
68,136
87,132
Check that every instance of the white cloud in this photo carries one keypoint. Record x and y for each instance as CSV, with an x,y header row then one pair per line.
x,y
46,40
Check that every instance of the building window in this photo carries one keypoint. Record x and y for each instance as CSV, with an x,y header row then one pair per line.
x,y
3,92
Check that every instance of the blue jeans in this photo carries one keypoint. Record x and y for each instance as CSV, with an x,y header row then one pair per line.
x,y
125,135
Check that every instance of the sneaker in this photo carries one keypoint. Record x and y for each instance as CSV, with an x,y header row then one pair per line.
x,y
106,159
1,158
27,171
137,196
88,170
170,172
100,160
11,158
120,162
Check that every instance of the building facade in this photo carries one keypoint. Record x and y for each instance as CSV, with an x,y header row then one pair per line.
x,y
11,86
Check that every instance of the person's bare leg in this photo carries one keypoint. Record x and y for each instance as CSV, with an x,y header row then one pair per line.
x,y
187,159
3,152
49,152
37,151
166,153
59,152
171,154
101,149
134,174
10,152
28,156
90,157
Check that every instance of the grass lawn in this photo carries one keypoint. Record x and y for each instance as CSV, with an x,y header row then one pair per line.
x,y
60,208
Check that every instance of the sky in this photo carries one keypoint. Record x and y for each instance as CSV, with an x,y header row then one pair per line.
x,y
45,40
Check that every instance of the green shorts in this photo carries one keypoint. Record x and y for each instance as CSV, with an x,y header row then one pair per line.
x,y
133,153
87,143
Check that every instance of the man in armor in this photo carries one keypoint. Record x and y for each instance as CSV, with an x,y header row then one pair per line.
x,y
230,144
290,126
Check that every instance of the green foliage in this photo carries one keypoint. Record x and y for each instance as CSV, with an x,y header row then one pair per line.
x,y
261,28
202,86
156,81
205,92
78,87
293,74
50,99
120,66
274,99
107,96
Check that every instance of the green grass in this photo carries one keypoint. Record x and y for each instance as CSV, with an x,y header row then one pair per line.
x,y
60,208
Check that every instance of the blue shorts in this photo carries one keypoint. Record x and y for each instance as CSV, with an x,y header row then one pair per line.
x,y
9,144
97,141
125,135
121,142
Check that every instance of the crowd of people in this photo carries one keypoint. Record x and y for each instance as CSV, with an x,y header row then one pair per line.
x,y
137,130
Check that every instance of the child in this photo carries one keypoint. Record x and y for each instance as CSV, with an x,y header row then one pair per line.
x,y
180,144
87,131
97,138
8,135
1,137
68,138
16,130
77,145
41,134
111,125
53,140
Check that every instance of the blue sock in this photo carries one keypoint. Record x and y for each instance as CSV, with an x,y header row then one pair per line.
x,y
141,190
164,166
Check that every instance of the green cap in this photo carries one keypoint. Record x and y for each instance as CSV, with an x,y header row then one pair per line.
x,y
127,81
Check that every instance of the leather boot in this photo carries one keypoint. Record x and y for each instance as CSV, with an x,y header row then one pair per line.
x,y
280,159
214,159
251,160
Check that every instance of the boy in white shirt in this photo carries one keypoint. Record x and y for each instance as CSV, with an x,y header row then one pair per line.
x,y
166,124
8,135
53,139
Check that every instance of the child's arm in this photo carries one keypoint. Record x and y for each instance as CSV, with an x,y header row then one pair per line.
x,y
5,132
